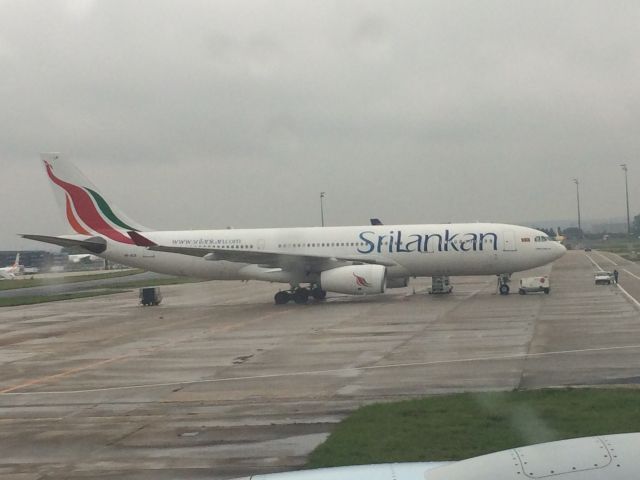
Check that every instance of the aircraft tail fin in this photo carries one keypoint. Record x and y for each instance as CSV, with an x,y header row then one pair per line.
x,y
16,264
86,209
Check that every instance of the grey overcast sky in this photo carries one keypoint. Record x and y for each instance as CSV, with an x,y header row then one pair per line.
x,y
203,114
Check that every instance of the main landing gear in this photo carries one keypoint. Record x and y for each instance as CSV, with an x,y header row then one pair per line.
x,y
503,283
299,295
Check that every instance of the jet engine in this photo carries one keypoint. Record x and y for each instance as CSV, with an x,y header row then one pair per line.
x,y
355,279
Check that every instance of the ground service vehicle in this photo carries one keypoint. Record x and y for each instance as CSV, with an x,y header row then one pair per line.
x,y
534,284
150,296
603,278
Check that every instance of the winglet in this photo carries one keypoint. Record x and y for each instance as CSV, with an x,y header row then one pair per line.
x,y
141,241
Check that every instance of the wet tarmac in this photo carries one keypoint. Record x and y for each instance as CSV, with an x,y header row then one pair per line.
x,y
217,382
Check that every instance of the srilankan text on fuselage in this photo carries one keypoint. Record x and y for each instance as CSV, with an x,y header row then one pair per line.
x,y
397,242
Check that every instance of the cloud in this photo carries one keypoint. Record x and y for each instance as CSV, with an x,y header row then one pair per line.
x,y
206,114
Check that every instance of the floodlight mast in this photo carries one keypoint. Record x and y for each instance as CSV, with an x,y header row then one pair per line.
x,y
626,188
575,180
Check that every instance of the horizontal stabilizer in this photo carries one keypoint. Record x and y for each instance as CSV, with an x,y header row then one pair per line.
x,y
140,240
95,245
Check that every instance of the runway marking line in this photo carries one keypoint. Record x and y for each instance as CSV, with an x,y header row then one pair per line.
x,y
606,258
632,274
333,371
63,374
138,353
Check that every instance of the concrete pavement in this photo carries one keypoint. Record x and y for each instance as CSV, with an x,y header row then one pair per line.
x,y
218,382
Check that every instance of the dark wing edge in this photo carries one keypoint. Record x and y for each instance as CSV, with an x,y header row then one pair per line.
x,y
261,257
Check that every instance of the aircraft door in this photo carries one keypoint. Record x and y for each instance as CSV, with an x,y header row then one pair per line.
x,y
509,237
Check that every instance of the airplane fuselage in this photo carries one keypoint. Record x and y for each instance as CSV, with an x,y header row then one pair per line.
x,y
407,250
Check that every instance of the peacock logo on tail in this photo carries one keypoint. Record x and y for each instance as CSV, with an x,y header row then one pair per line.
x,y
88,212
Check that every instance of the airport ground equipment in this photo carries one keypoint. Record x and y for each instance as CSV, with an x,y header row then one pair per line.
x,y
533,285
150,296
603,278
440,285
503,283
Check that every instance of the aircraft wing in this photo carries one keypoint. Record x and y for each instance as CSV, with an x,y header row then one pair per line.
x,y
605,457
267,259
262,258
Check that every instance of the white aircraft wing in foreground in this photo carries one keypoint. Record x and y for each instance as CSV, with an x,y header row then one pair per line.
x,y
607,457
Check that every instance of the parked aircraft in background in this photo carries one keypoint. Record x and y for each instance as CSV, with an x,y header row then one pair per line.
x,y
83,258
352,260
609,457
12,271
559,237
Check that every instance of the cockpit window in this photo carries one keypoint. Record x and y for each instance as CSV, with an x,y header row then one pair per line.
x,y
541,238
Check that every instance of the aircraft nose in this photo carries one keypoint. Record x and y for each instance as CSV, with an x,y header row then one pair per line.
x,y
560,250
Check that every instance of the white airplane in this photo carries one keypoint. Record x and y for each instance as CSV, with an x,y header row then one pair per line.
x,y
82,258
608,457
12,271
354,260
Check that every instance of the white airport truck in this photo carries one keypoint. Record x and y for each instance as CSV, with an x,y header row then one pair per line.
x,y
534,284
603,278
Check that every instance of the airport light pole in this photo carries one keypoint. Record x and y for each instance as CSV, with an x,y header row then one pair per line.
x,y
626,188
575,180
322,208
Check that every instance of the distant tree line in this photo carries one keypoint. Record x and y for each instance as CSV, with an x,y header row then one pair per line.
x,y
549,231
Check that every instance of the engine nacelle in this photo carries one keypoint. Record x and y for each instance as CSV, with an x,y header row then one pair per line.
x,y
398,282
355,279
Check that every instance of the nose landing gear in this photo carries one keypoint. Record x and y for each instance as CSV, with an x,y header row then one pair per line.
x,y
503,283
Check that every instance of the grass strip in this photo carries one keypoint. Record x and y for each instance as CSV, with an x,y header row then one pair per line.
x,y
156,282
454,427
40,282
119,287
33,299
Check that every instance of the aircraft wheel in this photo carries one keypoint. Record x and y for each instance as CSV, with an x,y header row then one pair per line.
x,y
281,298
546,291
301,296
504,289
318,293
